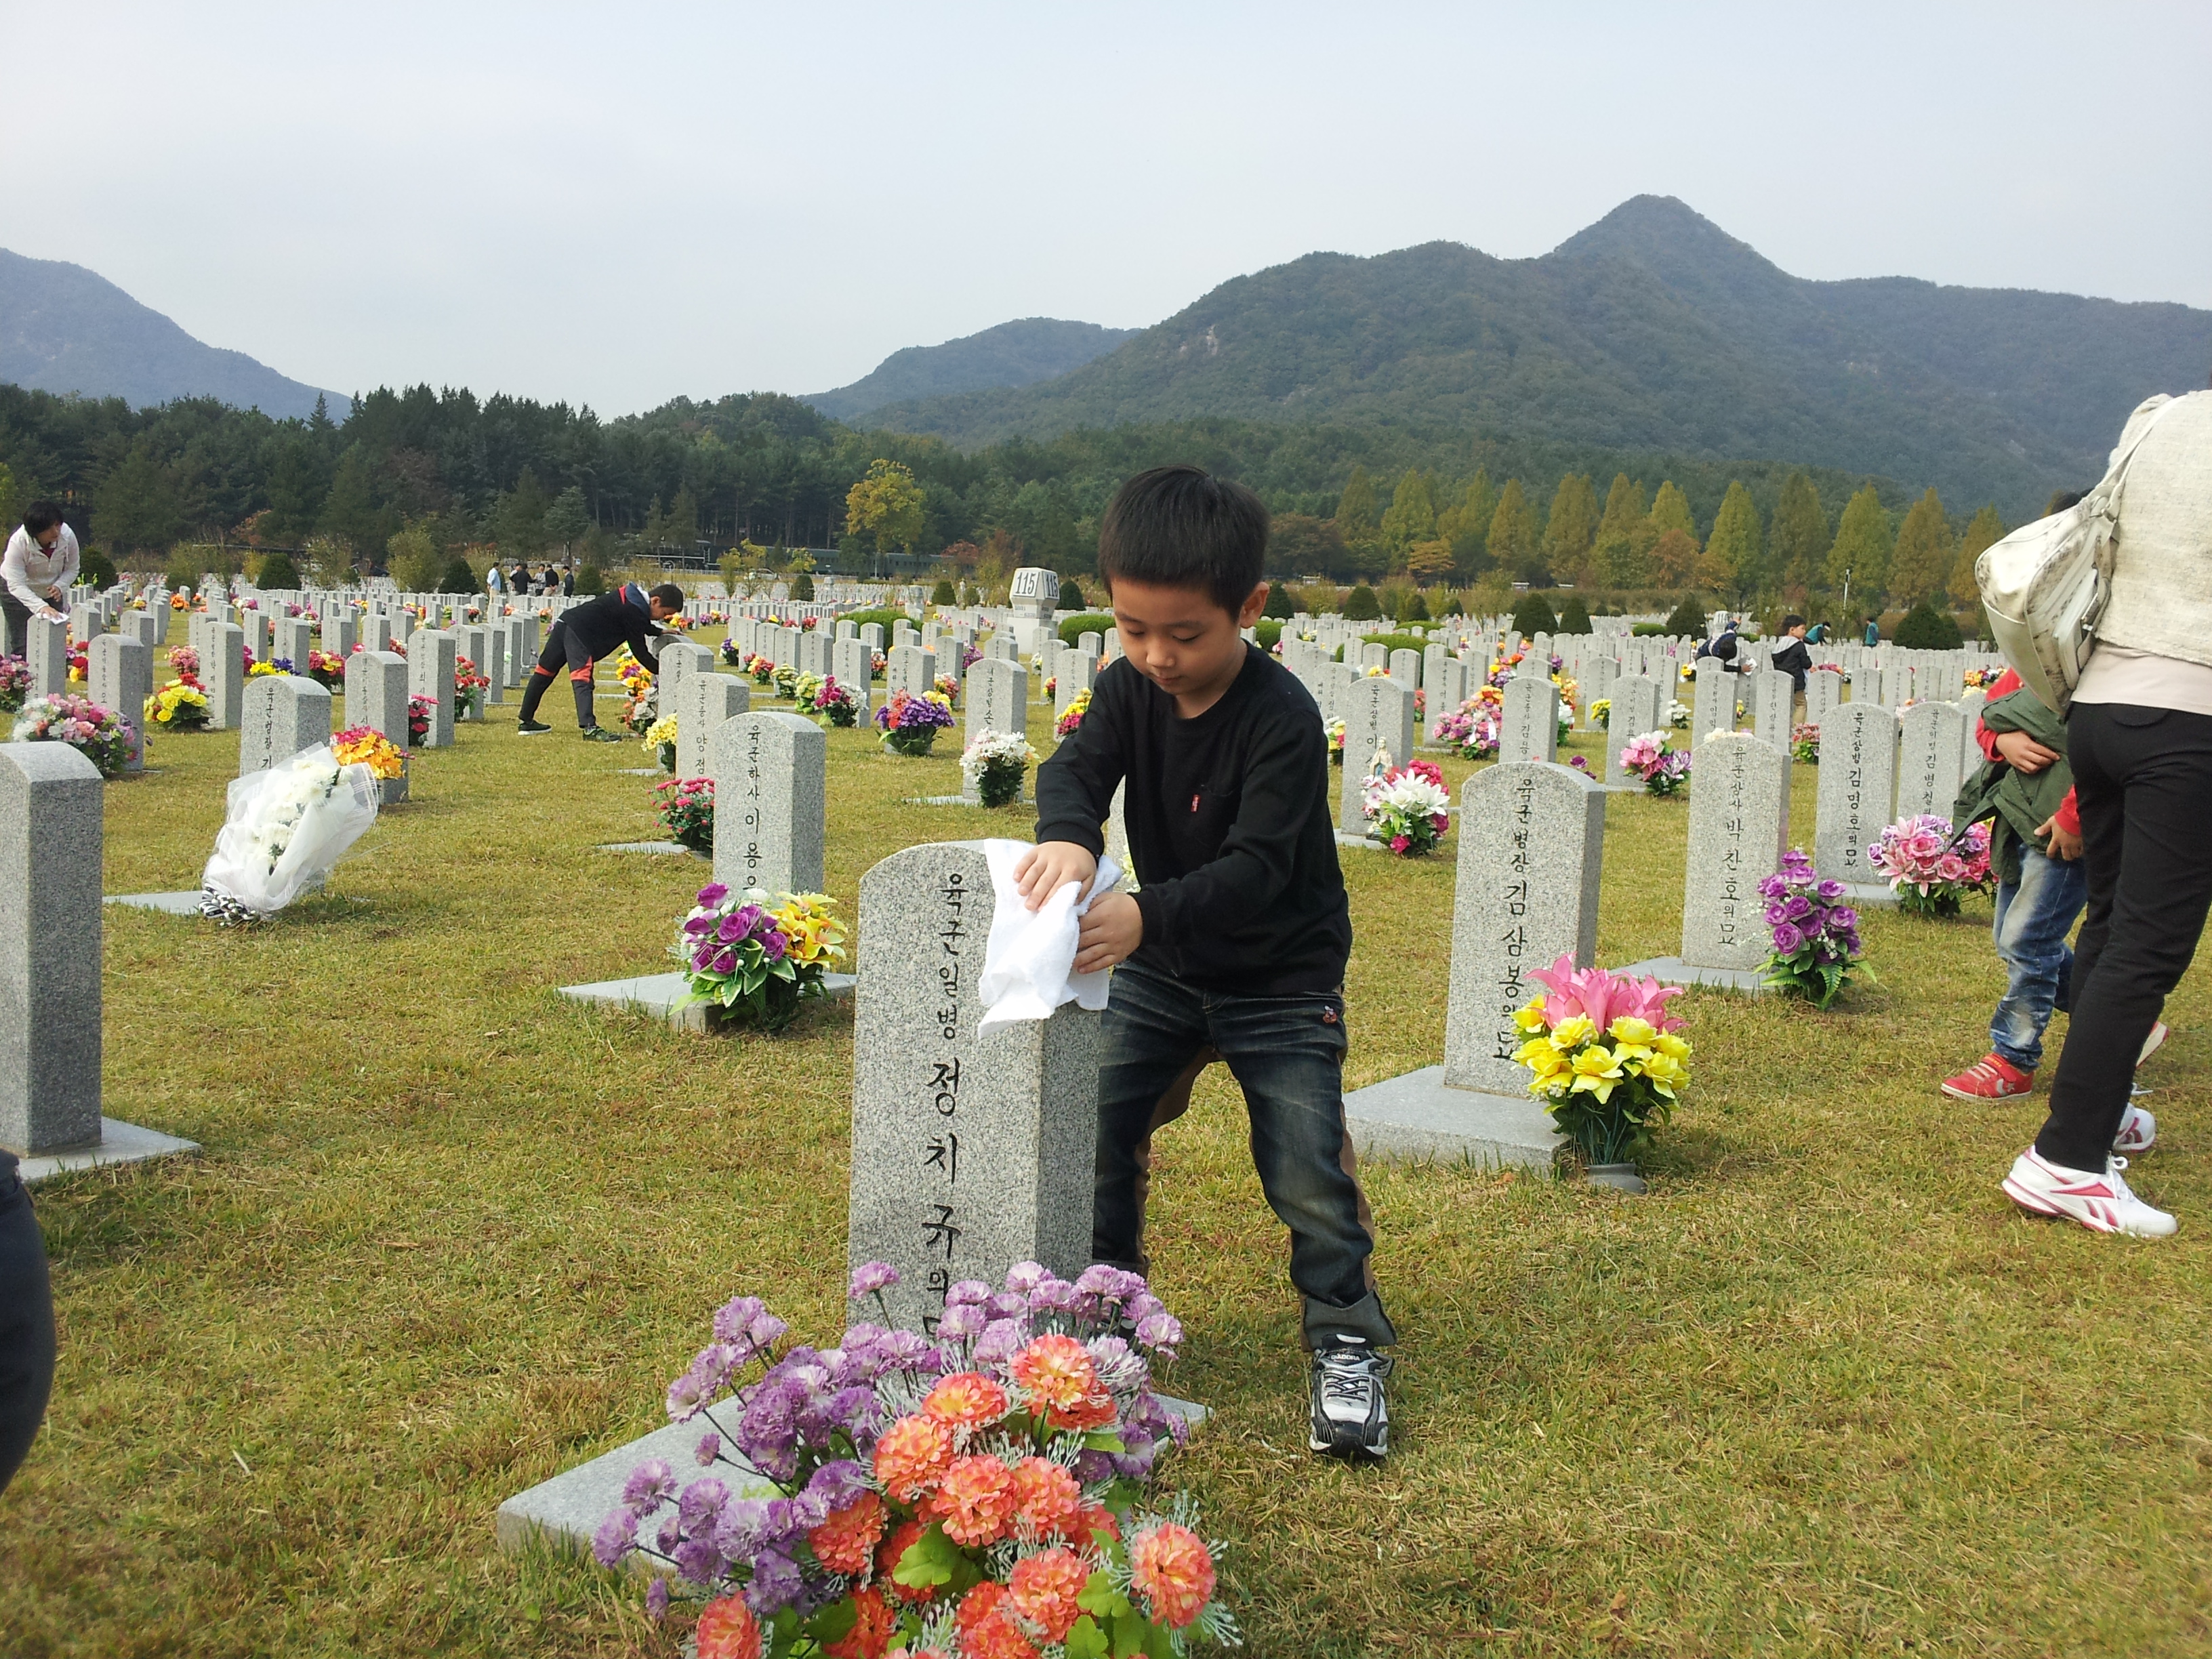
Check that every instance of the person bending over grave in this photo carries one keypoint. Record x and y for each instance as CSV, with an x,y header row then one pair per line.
x,y
582,635
1235,947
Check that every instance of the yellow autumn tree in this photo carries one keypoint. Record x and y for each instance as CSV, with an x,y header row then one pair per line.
x,y
888,505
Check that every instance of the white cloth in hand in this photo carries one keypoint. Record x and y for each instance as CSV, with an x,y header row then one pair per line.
x,y
1028,964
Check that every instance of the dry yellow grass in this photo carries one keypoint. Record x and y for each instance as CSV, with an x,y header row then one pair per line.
x,y
1822,1392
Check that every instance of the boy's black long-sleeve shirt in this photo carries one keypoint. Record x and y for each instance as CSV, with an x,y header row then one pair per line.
x,y
1229,823
622,617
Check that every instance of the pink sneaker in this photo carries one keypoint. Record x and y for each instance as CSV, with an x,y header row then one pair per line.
x,y
2100,1202
1992,1077
2138,1131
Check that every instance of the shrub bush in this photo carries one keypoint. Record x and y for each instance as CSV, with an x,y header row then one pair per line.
x,y
276,570
1688,620
944,593
1089,622
1533,616
1574,615
591,580
1070,594
460,577
1280,605
1927,628
1361,604
883,615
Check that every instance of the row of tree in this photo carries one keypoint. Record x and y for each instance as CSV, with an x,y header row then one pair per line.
x,y
521,480
1435,529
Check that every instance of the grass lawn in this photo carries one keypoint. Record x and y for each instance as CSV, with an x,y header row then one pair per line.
x,y
1823,1391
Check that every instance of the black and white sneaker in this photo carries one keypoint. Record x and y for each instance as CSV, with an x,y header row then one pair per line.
x,y
531,728
1351,1418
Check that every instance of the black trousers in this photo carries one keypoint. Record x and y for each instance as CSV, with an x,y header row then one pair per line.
x,y
27,1327
560,652
16,625
2143,778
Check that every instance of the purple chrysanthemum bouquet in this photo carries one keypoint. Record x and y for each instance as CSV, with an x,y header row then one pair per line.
x,y
1816,935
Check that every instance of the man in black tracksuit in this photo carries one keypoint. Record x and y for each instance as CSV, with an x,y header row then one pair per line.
x,y
584,634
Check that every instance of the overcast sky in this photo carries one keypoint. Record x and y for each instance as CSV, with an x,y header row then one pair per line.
x,y
618,205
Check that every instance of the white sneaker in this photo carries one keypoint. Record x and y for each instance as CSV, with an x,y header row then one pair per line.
x,y
2138,1131
2101,1203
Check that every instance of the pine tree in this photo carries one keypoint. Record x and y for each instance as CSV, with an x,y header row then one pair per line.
x,y
1860,553
1619,541
1730,563
1355,508
1512,539
1798,541
1533,616
1466,524
944,592
1574,615
1572,528
1984,531
1412,513
1280,606
1920,563
1670,510
1361,604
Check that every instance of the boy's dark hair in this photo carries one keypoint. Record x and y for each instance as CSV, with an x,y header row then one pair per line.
x,y
39,517
1792,620
669,594
1180,526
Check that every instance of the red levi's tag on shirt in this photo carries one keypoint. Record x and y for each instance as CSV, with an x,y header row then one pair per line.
x,y
1193,802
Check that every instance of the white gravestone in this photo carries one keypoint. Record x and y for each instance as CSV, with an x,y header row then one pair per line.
x,y
1378,730
283,714
119,674
1739,827
770,773
1930,749
970,1153
222,671
1531,728
997,698
1639,705
911,669
430,654
705,701
1858,771
47,645
1714,709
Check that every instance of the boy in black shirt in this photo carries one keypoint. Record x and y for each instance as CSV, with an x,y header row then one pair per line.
x,y
1234,948
584,634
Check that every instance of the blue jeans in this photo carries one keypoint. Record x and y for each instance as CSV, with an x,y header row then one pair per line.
x,y
1287,1055
2034,915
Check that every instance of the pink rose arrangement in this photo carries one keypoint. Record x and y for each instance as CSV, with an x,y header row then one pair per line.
x,y
1928,867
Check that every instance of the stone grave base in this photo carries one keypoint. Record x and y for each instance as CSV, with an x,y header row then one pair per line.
x,y
640,771
657,994
119,1143
1875,894
174,904
1672,970
1025,799
664,848
1417,1115
566,1511
1364,843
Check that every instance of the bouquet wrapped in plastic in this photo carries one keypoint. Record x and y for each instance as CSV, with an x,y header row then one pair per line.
x,y
288,827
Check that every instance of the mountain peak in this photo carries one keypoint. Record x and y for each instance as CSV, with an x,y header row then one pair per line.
x,y
1669,237
1016,353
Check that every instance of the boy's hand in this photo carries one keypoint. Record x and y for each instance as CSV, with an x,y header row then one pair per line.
x,y
2065,844
1113,927
2026,754
1047,867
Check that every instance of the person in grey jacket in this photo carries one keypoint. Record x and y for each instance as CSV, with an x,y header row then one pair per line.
x,y
2139,736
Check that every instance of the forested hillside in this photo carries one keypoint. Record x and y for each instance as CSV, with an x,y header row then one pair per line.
x,y
64,328
1013,354
1652,328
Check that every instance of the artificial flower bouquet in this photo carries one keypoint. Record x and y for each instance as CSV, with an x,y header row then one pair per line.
x,y
1662,770
877,662
1406,809
639,711
948,687
1678,714
469,687
987,1491
1604,1057
760,668
327,671
687,811
1472,729
1069,723
970,656
1601,713
262,670
98,733
1981,679
910,724
287,827
1816,934
1805,743
181,705
1929,868
733,654
994,764
79,669
15,684
420,711
757,957
364,745
661,742
186,661
835,701
1333,729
